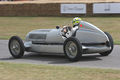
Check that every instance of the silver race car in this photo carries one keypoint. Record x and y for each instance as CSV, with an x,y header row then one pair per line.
x,y
86,39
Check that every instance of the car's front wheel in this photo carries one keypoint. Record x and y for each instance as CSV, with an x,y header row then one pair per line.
x,y
16,47
73,49
111,44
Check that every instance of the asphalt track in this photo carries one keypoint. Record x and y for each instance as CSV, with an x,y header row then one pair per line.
x,y
88,60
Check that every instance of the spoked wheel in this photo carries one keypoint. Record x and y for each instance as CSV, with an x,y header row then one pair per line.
x,y
111,44
16,47
72,49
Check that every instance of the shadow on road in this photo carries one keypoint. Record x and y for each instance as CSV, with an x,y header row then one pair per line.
x,y
53,58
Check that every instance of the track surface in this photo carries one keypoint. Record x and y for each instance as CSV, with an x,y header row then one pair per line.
x,y
88,60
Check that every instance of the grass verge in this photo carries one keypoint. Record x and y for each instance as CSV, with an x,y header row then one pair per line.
x,y
20,26
12,71
117,42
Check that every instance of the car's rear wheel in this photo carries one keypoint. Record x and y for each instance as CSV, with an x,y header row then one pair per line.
x,y
16,47
111,44
73,49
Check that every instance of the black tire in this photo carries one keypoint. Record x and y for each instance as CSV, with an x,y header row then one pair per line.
x,y
78,48
111,43
12,47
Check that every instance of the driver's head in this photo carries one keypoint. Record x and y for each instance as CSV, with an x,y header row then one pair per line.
x,y
76,21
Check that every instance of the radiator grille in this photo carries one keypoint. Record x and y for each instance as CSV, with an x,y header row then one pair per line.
x,y
37,36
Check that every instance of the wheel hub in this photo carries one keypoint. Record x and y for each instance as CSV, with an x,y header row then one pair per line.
x,y
15,47
71,49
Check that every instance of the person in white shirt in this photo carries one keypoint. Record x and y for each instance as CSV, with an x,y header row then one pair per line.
x,y
68,31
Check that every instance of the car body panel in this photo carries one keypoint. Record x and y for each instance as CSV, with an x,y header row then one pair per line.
x,y
89,33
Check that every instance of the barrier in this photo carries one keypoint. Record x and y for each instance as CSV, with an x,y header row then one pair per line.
x,y
44,9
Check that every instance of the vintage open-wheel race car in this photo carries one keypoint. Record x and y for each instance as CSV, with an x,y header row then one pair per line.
x,y
85,40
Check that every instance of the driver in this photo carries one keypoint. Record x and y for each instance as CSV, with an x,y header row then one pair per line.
x,y
68,30
76,21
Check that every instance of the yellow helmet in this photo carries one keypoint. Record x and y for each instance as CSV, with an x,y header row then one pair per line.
x,y
76,21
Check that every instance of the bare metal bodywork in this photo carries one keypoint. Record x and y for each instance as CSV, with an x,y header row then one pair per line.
x,y
93,40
